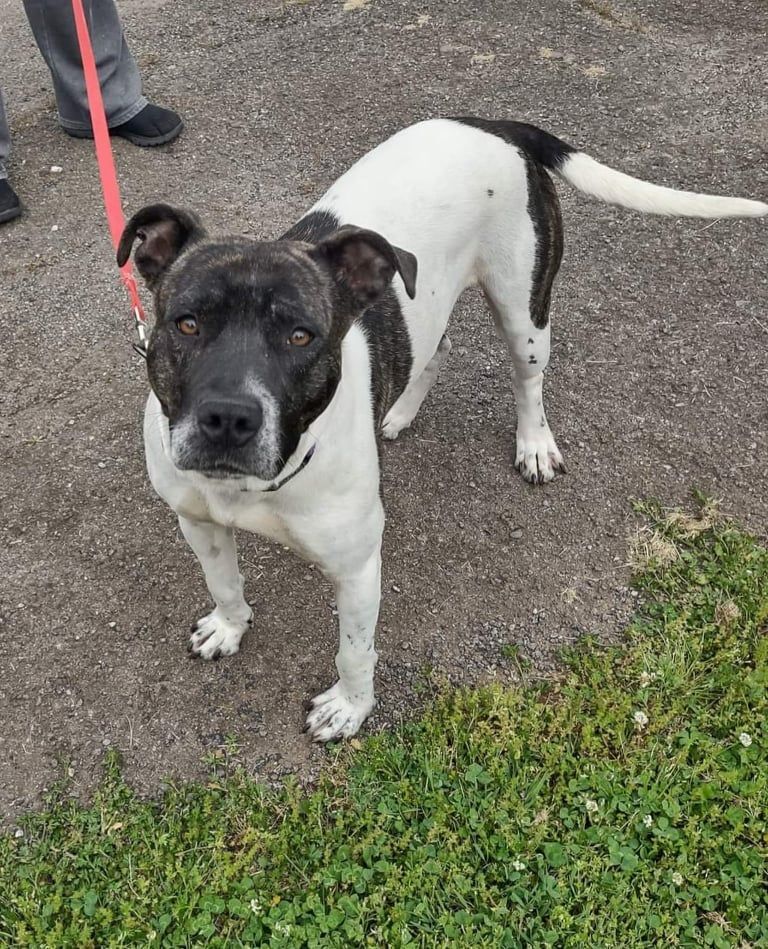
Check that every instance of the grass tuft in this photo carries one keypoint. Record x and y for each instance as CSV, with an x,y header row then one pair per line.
x,y
623,805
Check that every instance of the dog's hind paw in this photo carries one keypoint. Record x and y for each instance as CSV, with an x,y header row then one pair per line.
x,y
538,457
216,635
336,715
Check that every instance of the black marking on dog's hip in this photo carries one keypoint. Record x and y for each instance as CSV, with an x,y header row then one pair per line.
x,y
544,210
540,150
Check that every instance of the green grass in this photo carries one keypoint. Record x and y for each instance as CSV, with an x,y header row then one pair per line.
x,y
530,817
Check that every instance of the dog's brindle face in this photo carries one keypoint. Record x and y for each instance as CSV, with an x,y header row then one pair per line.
x,y
246,348
251,327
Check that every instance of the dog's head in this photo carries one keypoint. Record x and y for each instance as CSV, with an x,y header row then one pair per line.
x,y
245,351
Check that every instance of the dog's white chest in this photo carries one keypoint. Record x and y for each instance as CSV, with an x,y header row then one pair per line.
x,y
243,511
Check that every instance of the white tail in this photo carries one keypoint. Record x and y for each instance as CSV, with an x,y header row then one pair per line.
x,y
614,187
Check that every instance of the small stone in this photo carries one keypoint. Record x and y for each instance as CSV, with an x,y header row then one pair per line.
x,y
56,169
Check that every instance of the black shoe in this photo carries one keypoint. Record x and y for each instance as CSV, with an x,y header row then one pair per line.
x,y
152,126
9,202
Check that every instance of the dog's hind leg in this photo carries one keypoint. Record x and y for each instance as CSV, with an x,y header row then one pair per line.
x,y
403,412
517,276
219,633
537,456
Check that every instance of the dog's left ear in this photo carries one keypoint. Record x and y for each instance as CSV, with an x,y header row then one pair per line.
x,y
163,232
364,262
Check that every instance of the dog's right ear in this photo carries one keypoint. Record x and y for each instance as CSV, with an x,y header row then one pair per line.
x,y
163,232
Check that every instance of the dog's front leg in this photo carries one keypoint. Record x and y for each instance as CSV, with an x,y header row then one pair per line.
x,y
339,712
219,633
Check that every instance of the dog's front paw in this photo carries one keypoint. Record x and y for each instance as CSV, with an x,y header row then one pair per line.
x,y
335,714
217,635
538,457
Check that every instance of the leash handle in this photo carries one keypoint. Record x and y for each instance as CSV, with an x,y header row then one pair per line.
x,y
106,162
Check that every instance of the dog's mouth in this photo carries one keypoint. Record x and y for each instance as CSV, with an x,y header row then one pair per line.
x,y
222,472
221,468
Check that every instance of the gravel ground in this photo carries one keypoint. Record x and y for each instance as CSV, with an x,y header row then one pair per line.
x,y
657,382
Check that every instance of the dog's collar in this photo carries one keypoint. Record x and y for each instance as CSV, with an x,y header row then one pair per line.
x,y
278,484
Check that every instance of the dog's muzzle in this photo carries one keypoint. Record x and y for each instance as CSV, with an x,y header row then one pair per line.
x,y
228,437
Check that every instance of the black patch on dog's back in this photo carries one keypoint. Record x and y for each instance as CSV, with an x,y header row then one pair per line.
x,y
540,151
546,149
389,345
313,227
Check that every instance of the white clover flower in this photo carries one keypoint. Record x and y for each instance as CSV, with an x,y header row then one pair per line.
x,y
645,680
640,719
518,865
591,806
677,879
282,929
746,739
647,820
255,906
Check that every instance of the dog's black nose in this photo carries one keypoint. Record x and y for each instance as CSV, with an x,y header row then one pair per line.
x,y
228,424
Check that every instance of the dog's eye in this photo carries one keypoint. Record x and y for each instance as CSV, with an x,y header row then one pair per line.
x,y
300,337
188,326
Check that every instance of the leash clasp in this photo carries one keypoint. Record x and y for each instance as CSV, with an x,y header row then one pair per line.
x,y
141,329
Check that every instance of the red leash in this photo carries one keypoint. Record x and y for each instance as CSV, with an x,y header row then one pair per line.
x,y
107,173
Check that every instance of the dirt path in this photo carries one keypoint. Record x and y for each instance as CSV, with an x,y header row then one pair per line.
x,y
657,383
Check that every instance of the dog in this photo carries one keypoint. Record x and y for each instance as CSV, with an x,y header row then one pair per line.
x,y
273,364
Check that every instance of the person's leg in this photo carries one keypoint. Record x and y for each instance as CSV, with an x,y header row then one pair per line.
x,y
9,202
5,139
53,25
128,112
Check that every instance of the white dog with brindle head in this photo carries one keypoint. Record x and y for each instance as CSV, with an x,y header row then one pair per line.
x,y
273,365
